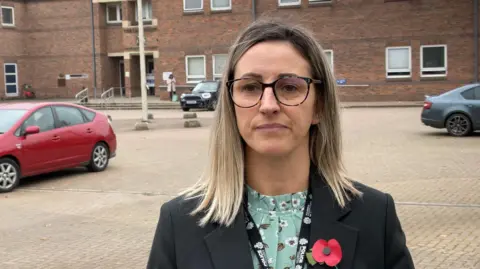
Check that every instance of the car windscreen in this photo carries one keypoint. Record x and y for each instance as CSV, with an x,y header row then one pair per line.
x,y
205,87
8,117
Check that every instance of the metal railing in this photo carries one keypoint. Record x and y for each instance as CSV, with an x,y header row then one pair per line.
x,y
82,96
108,95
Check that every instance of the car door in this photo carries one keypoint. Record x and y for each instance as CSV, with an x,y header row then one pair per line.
x,y
76,133
39,152
476,107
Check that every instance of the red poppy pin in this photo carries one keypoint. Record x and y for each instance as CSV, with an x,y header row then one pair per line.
x,y
325,252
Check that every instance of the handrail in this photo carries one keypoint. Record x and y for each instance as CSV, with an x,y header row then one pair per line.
x,y
108,94
82,95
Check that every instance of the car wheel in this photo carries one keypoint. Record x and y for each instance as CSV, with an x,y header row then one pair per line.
x,y
213,106
9,174
99,158
458,125
185,109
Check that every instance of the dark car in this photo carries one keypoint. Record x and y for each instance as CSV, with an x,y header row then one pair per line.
x,y
457,110
37,138
203,96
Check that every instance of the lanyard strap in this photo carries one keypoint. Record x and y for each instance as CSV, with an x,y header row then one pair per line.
x,y
257,242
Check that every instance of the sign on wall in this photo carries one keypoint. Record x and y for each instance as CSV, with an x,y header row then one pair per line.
x,y
165,75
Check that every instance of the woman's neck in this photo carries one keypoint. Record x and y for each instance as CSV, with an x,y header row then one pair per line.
x,y
277,175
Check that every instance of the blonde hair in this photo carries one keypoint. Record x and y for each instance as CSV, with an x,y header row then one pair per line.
x,y
221,186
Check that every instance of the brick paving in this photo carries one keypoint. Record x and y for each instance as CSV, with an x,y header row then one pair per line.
x,y
74,219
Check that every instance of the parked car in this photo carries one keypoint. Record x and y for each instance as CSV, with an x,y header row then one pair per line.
x,y
203,96
457,110
37,138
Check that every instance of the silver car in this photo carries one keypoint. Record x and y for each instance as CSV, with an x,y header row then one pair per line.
x,y
457,110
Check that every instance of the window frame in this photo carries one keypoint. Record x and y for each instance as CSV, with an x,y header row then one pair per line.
x,y
444,69
195,78
118,11
143,13
192,9
21,129
319,1
214,75
387,70
220,8
13,15
298,3
16,79
332,59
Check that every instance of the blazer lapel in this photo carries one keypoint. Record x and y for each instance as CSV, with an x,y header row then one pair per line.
x,y
229,246
326,221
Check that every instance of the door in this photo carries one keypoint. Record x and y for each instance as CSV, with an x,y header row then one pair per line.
x,y
39,153
11,79
122,78
76,135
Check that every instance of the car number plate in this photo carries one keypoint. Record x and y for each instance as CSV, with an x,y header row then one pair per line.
x,y
191,102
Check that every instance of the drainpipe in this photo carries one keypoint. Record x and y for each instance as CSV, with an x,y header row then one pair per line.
x,y
93,48
254,11
475,36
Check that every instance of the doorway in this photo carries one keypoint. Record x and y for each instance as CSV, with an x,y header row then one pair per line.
x,y
121,69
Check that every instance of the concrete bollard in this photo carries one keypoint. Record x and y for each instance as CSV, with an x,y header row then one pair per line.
x,y
150,116
190,115
191,124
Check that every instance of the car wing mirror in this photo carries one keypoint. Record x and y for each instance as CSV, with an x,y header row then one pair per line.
x,y
31,130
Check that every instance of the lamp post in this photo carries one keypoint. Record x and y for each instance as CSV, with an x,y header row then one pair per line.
x,y
141,48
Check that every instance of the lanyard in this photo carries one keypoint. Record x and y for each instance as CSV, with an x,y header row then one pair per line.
x,y
258,245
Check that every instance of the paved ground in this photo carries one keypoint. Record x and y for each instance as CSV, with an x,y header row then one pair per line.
x,y
78,220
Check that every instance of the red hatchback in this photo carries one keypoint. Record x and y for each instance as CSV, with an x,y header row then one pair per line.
x,y
37,138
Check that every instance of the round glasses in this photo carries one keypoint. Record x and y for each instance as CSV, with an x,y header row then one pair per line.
x,y
289,91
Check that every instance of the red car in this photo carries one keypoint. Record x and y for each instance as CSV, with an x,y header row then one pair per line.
x,y
37,138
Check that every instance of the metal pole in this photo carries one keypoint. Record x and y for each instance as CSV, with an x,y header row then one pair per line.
x,y
254,10
94,51
141,48
475,36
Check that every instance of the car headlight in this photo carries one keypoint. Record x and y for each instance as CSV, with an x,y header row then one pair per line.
x,y
206,95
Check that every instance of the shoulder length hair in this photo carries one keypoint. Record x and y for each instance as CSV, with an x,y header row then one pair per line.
x,y
221,186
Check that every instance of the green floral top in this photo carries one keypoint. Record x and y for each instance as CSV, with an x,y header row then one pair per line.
x,y
278,219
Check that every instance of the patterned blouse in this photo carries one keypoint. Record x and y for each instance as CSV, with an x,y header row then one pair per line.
x,y
278,219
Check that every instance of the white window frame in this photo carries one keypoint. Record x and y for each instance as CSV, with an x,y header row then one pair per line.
x,y
221,8
442,69
151,11
13,16
118,10
216,76
332,59
195,78
16,79
299,2
192,9
409,69
319,1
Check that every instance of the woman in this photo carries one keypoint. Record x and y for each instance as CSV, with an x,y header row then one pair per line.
x,y
275,149
171,86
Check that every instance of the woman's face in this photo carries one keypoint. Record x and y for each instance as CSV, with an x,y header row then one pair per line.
x,y
271,128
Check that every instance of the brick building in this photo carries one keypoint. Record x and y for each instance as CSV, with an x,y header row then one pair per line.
x,y
379,49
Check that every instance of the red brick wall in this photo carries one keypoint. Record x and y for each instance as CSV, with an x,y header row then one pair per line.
x,y
53,37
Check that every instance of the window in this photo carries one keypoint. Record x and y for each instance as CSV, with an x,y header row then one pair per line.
x,y
192,5
398,62
289,2
195,67
433,60
329,54
11,80
68,116
472,93
320,1
88,114
146,10
221,4
219,62
43,118
8,16
114,13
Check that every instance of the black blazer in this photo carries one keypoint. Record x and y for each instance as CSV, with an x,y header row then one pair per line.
x,y
368,231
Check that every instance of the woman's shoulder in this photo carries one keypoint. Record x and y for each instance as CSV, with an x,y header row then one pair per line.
x,y
371,198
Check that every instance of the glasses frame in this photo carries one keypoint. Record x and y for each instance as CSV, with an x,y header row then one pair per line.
x,y
272,85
